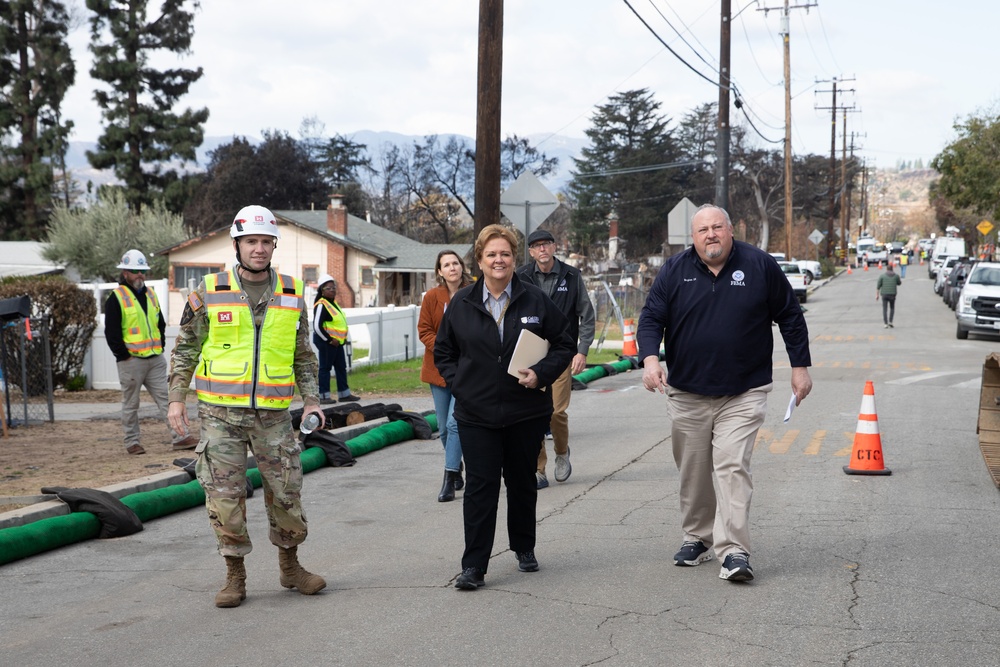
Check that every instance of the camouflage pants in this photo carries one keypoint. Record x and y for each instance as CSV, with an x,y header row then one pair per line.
x,y
221,471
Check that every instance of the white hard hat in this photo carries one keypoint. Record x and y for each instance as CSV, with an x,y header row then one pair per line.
x,y
324,279
134,260
254,220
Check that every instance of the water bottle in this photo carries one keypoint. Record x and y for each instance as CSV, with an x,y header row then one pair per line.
x,y
309,423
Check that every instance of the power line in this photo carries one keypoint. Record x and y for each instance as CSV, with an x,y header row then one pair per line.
x,y
636,170
662,41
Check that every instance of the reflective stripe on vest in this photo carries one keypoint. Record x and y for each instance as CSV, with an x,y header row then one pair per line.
x,y
336,326
241,366
140,328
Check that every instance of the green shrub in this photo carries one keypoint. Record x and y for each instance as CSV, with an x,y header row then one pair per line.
x,y
72,317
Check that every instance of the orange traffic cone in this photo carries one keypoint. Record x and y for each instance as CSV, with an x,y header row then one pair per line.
x,y
628,347
866,266
866,457
849,272
880,264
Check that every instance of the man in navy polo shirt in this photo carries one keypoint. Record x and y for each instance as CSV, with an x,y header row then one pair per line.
x,y
712,306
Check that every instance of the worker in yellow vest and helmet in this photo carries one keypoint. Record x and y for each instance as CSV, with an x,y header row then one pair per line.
x,y
135,330
244,338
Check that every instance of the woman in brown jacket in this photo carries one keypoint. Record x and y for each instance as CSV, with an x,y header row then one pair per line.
x,y
451,276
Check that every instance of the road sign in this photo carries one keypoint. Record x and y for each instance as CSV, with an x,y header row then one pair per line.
x,y
985,227
679,223
527,202
816,237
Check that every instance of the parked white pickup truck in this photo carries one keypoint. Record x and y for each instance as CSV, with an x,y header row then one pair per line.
x,y
797,278
812,268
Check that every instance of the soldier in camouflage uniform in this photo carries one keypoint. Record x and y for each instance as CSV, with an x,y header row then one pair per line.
x,y
244,336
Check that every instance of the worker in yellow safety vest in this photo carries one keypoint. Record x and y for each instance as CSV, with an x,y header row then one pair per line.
x,y
244,337
134,329
330,336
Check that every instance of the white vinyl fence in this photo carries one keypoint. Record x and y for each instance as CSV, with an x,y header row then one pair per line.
x,y
390,334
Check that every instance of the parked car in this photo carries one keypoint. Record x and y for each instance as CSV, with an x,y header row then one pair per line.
x,y
812,268
896,247
942,274
797,278
978,307
955,281
878,253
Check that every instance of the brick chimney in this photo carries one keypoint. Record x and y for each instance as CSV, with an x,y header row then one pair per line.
x,y
336,254
613,236
336,215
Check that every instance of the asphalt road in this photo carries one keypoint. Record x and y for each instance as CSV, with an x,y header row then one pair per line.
x,y
855,570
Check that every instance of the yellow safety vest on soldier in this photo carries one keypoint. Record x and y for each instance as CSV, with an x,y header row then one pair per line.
x,y
225,377
140,329
336,326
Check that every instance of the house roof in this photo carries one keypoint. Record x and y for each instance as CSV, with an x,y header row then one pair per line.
x,y
393,251
24,258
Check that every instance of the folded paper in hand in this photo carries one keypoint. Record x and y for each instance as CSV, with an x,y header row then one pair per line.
x,y
529,350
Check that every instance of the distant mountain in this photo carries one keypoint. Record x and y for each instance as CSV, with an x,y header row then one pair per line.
x,y
553,145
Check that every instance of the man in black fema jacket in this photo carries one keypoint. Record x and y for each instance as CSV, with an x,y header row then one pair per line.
x,y
564,285
712,306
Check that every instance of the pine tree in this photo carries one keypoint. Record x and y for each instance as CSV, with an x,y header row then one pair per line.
x,y
628,168
143,132
36,70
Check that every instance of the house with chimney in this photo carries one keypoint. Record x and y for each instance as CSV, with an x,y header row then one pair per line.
x,y
372,265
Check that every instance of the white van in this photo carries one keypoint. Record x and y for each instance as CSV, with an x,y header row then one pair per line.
x,y
863,247
944,247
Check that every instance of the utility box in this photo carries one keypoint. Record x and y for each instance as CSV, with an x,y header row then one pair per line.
x,y
988,426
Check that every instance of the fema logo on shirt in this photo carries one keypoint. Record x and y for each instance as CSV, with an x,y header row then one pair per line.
x,y
738,277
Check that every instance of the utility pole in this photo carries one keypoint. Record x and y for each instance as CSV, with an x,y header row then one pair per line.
x,y
722,130
785,38
845,216
487,198
833,161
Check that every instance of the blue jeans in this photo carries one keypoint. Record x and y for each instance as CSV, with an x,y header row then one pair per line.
x,y
331,356
444,408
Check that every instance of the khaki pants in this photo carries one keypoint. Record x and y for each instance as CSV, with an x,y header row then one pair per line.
x,y
133,374
713,439
222,469
561,390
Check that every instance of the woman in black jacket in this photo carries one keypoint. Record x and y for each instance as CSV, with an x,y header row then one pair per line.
x,y
502,418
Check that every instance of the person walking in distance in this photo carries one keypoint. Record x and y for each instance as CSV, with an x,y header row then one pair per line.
x,y
886,288
564,285
330,336
451,277
712,306
135,331
904,260
244,336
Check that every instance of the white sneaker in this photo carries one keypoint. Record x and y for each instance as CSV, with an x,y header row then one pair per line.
x,y
563,467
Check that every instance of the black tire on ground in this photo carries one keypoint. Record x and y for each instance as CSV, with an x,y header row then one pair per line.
x,y
961,333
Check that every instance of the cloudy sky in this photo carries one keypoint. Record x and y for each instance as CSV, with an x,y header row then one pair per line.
x,y
409,66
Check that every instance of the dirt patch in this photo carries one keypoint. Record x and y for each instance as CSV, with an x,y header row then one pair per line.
x,y
86,453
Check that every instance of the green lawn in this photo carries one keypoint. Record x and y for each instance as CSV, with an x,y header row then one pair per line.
x,y
403,377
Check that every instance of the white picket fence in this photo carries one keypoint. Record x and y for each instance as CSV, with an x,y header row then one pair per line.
x,y
390,334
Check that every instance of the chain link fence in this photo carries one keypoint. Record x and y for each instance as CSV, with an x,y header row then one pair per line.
x,y
26,368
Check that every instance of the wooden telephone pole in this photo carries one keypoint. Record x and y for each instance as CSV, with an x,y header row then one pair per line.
x,y
487,198
828,251
785,39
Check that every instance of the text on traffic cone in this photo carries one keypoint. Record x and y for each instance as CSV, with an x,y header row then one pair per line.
x,y
866,455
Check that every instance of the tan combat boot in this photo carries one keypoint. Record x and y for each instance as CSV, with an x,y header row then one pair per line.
x,y
235,590
294,576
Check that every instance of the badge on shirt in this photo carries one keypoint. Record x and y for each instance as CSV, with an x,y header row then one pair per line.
x,y
194,301
225,317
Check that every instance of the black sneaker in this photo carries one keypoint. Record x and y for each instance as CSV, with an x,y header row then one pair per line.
x,y
692,553
350,398
526,561
470,579
736,567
